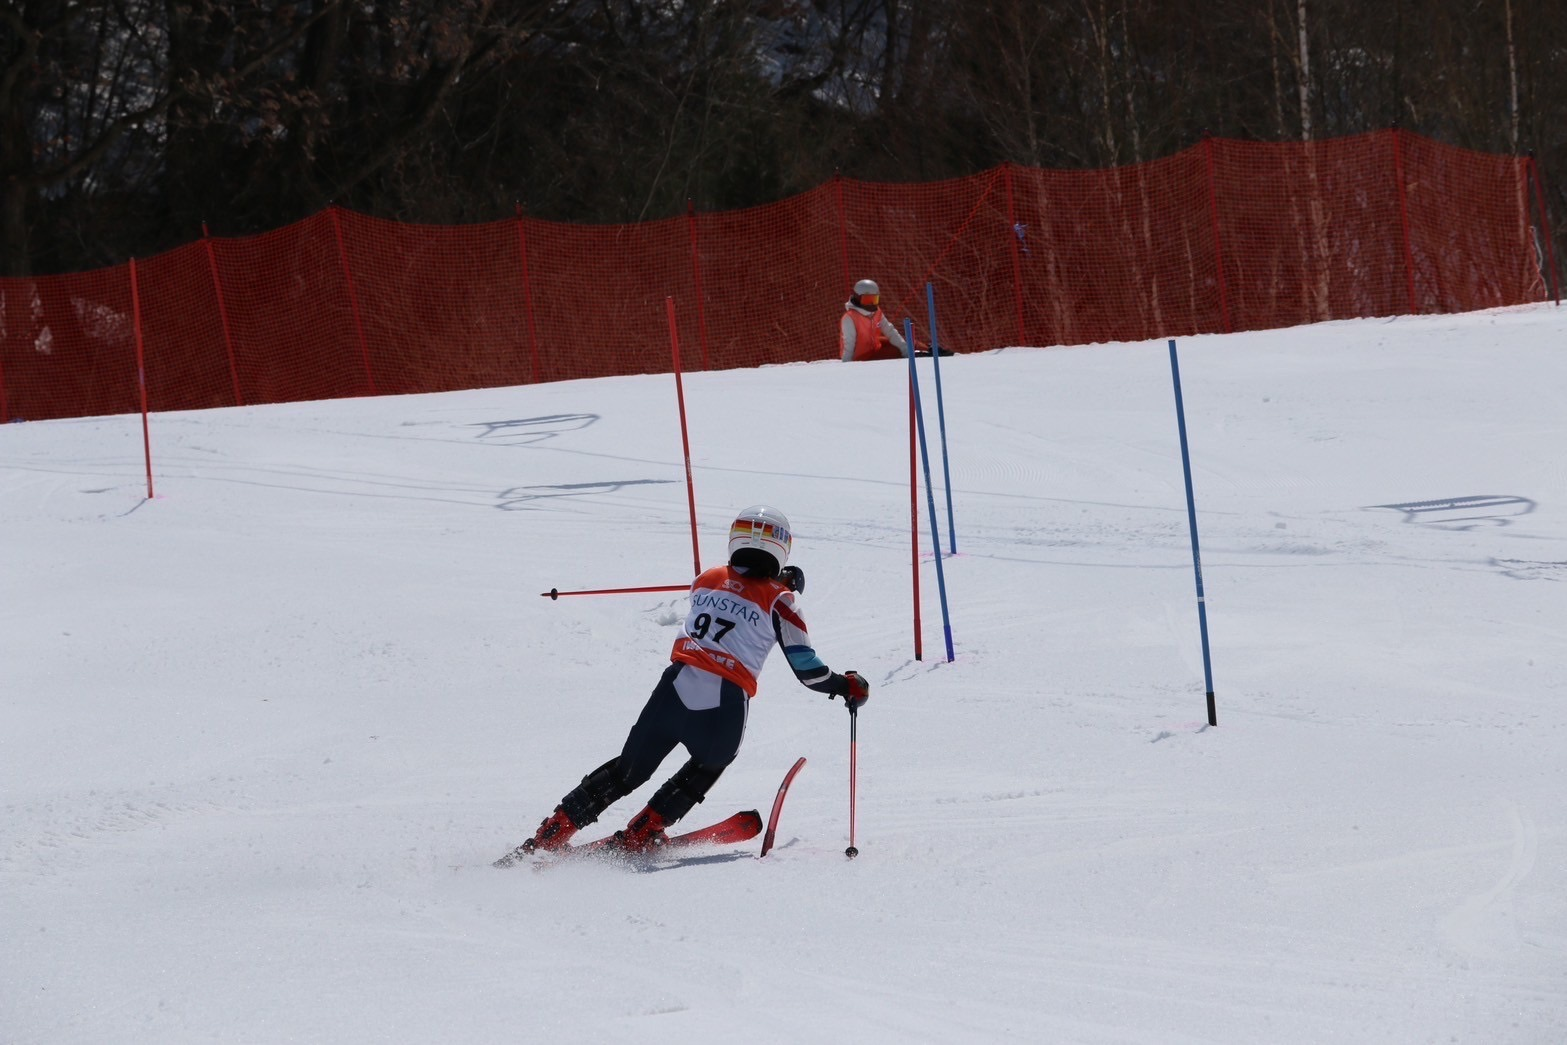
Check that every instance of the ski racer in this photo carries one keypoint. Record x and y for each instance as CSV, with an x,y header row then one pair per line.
x,y
738,612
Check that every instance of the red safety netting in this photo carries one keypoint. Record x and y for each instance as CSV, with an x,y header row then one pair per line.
x,y
67,346
1224,236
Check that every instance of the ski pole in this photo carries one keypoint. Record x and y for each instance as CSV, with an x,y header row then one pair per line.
x,y
854,743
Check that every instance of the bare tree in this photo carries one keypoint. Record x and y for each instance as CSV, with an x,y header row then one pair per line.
x,y
1303,70
1512,78
81,99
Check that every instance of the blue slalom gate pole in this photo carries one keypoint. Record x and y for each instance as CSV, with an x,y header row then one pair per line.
x,y
1191,521
930,494
941,419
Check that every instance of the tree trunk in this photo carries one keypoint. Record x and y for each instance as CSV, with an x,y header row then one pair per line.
x,y
13,229
1512,78
1303,72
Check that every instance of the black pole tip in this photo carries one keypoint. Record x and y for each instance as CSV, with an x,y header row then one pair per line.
x,y
851,852
553,593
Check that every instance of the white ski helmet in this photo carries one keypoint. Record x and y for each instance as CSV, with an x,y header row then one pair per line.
x,y
867,286
763,528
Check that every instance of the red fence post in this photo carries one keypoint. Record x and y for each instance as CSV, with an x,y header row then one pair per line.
x,y
527,297
1218,242
5,406
223,312
353,298
1403,217
843,234
696,271
1017,262
141,377
1545,226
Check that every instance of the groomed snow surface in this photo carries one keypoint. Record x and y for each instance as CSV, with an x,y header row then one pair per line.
x,y
261,736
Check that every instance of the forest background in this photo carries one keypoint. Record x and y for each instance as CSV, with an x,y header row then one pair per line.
x,y
128,127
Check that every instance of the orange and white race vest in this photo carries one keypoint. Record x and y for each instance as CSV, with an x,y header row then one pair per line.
x,y
733,623
864,335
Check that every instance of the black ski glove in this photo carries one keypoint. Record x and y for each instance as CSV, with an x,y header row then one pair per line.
x,y
794,577
852,687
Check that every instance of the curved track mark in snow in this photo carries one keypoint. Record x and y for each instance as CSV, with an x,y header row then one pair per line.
x,y
1484,925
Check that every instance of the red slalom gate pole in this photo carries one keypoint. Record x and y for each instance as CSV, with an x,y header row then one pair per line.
x,y
141,376
555,593
685,439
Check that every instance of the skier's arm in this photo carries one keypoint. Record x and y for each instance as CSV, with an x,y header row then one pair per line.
x,y
803,660
846,338
892,335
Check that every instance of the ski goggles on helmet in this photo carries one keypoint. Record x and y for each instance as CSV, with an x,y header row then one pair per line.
x,y
760,529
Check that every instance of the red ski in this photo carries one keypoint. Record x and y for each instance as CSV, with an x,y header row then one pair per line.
x,y
783,789
741,827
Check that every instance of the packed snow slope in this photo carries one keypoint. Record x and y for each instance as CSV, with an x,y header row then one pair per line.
x,y
261,736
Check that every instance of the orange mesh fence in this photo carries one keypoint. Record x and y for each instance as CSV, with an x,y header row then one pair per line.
x,y
1332,249
1470,229
440,307
1225,236
290,314
69,346
772,284
189,362
1119,255
598,296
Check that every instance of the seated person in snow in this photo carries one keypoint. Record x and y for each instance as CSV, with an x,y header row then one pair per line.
x,y
863,332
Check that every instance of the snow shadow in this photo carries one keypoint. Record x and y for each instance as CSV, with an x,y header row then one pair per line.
x,y
525,430
1462,513
525,498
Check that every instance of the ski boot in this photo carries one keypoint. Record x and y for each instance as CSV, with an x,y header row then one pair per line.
x,y
644,834
554,833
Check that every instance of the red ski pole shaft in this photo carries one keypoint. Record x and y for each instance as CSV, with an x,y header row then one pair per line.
x,y
854,747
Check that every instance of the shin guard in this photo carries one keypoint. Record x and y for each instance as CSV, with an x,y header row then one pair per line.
x,y
598,791
684,790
